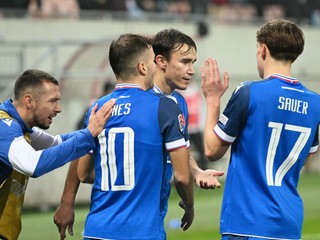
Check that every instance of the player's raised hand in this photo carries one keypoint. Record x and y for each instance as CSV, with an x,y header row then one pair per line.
x,y
208,179
98,119
212,84
188,216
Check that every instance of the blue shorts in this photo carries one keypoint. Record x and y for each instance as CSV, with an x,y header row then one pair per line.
x,y
90,239
235,237
85,238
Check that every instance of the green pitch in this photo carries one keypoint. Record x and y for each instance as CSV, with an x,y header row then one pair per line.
x,y
39,226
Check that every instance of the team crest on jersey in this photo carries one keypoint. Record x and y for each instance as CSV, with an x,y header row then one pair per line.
x,y
182,122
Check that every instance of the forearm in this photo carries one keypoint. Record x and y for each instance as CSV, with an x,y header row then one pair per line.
x,y
64,215
213,87
194,168
25,159
85,169
185,191
41,140
69,150
212,117
71,185
182,175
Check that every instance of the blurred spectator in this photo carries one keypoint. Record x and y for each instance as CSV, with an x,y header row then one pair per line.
x,y
269,9
220,2
259,5
300,10
200,8
103,5
151,5
315,13
174,7
235,11
181,7
273,11
54,9
13,8
93,5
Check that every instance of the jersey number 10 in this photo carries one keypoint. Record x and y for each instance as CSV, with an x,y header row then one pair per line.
x,y
109,164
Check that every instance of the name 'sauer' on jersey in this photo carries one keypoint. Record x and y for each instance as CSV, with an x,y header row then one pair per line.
x,y
293,105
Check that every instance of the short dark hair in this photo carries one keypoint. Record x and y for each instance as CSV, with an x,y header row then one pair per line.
x,y
32,79
170,40
284,39
124,52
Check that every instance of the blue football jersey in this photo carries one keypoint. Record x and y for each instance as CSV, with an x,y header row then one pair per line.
x,y
16,153
129,165
166,189
273,126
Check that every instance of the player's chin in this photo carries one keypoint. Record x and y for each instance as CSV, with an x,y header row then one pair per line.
x,y
186,82
45,125
183,86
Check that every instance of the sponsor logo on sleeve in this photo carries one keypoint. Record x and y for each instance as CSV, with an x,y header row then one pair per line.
x,y
223,119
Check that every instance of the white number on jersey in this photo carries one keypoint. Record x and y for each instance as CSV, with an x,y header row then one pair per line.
x,y
109,165
293,155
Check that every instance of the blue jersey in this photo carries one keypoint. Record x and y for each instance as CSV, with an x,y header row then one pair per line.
x,y
21,156
129,165
273,126
16,153
166,189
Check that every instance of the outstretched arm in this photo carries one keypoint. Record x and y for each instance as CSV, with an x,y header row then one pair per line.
x,y
206,179
25,159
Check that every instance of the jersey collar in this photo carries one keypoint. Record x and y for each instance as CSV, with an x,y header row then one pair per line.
x,y
285,78
127,85
156,89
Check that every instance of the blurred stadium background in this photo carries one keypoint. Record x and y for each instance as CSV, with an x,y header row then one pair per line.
x,y
70,40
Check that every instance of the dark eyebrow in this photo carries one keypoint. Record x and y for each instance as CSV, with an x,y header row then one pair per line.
x,y
188,60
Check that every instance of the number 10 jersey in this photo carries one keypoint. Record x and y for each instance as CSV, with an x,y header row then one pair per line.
x,y
129,165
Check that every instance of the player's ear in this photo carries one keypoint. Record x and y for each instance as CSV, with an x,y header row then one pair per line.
x,y
28,101
264,51
160,61
142,68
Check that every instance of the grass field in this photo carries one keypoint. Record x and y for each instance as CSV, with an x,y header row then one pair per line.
x,y
40,226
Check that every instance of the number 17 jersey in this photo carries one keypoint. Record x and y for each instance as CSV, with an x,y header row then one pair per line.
x,y
273,126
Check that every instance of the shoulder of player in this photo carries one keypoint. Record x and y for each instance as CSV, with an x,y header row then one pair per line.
x,y
245,86
317,95
6,119
9,127
177,94
158,96
168,100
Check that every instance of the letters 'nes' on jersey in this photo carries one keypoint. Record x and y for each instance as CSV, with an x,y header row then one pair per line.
x,y
130,158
